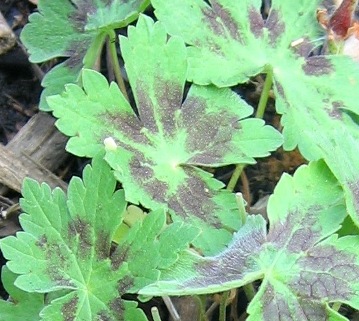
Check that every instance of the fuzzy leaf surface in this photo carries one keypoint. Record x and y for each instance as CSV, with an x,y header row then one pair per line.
x,y
23,305
66,245
156,154
317,96
303,266
75,29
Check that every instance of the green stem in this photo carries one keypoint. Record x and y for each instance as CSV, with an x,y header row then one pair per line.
x,y
265,94
336,306
155,314
241,207
249,291
202,307
235,176
223,306
116,64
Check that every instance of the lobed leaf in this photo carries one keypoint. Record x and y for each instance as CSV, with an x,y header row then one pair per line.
x,y
66,245
156,154
73,29
21,305
303,266
317,95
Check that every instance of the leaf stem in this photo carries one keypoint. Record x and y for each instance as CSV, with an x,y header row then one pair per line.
x,y
155,314
249,291
235,176
265,93
336,306
116,64
223,306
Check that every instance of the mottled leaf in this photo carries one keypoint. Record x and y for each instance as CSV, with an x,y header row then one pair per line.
x,y
66,245
75,29
313,93
156,153
303,266
21,305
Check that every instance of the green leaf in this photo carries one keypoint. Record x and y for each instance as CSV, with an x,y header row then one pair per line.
x,y
73,29
21,305
66,245
314,94
303,266
156,154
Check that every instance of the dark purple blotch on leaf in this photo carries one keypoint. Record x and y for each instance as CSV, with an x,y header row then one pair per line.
x,y
69,309
228,22
318,66
256,22
275,26
335,111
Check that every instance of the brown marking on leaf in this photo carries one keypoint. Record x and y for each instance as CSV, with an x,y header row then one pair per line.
x,y
170,99
126,123
304,48
301,233
275,307
209,18
140,169
42,242
157,189
69,309
76,53
56,261
103,316
219,131
117,305
233,263
333,279
194,197
335,112
142,172
82,231
318,66
102,244
227,19
79,17
125,284
275,26
256,22
119,256
146,107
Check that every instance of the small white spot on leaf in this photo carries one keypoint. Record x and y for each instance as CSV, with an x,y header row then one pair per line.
x,y
110,143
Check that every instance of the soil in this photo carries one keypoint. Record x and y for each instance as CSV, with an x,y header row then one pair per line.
x,y
20,90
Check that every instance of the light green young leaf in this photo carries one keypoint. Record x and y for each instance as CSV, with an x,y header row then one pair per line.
x,y
303,266
156,155
75,29
21,305
66,245
314,94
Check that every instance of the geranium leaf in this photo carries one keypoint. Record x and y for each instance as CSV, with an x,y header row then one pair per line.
x,y
303,266
75,29
155,155
66,245
314,94
22,305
